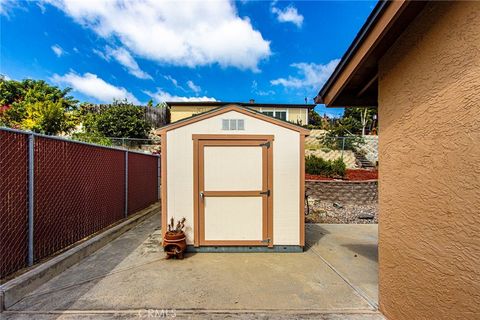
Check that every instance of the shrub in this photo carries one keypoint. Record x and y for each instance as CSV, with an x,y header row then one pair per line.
x,y
338,167
327,168
95,138
119,120
330,140
35,105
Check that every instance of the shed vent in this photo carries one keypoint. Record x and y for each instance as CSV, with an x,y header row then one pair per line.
x,y
233,124
241,124
225,124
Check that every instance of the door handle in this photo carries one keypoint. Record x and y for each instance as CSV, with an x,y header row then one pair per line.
x,y
266,193
201,194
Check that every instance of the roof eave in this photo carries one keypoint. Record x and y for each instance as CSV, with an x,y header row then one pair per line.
x,y
354,81
359,38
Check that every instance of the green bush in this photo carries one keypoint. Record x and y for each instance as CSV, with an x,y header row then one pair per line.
x,y
95,138
326,168
330,140
37,106
120,120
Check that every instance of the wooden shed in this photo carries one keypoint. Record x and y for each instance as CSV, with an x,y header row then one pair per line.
x,y
237,176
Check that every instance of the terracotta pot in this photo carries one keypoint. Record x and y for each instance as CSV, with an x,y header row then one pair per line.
x,y
174,244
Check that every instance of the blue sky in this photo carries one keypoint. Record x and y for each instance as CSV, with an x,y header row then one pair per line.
x,y
273,52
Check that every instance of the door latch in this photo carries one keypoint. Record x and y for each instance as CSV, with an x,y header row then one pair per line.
x,y
266,144
265,192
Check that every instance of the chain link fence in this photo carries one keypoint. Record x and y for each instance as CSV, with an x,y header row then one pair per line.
x,y
13,201
55,192
151,145
356,151
143,181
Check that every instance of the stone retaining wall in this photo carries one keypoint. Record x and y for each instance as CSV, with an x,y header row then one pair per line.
x,y
359,192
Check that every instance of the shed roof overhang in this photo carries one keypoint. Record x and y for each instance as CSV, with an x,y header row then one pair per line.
x,y
355,80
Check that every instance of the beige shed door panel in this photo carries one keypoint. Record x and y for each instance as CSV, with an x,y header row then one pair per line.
x,y
233,218
232,168
233,196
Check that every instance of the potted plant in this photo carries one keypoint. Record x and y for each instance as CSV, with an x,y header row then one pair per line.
x,y
174,242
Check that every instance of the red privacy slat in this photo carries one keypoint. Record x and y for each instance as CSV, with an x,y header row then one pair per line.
x,y
142,181
13,202
79,190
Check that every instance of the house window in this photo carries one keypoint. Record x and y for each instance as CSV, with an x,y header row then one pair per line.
x,y
279,114
282,115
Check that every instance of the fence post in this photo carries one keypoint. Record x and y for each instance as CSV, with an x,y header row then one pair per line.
x,y
343,146
31,194
158,178
126,183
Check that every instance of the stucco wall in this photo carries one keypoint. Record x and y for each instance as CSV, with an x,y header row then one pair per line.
x,y
429,193
295,115
286,173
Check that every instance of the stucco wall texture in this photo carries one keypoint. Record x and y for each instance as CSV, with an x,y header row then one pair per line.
x,y
429,192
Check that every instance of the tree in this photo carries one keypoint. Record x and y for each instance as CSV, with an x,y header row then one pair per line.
x,y
48,117
363,116
119,120
36,105
314,118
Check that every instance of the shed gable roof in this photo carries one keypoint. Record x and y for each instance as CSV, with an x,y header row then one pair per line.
x,y
228,108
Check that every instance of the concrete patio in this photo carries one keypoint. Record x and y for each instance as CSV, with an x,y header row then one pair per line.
x,y
335,278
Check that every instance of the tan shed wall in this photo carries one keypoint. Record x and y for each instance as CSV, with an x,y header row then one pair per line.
x,y
429,192
181,112
286,167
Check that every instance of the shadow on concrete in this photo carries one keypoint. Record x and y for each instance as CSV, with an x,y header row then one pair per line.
x,y
369,251
313,234
77,283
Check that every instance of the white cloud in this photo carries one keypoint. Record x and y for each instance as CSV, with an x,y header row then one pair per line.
x,y
258,92
101,54
41,6
57,50
193,33
125,59
91,85
311,75
7,6
288,14
193,86
122,56
162,96
172,80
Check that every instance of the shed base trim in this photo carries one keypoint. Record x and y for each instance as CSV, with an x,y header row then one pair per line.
x,y
277,248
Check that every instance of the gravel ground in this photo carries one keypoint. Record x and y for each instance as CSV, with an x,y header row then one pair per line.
x,y
335,212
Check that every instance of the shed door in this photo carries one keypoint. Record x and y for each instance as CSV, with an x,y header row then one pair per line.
x,y
233,185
